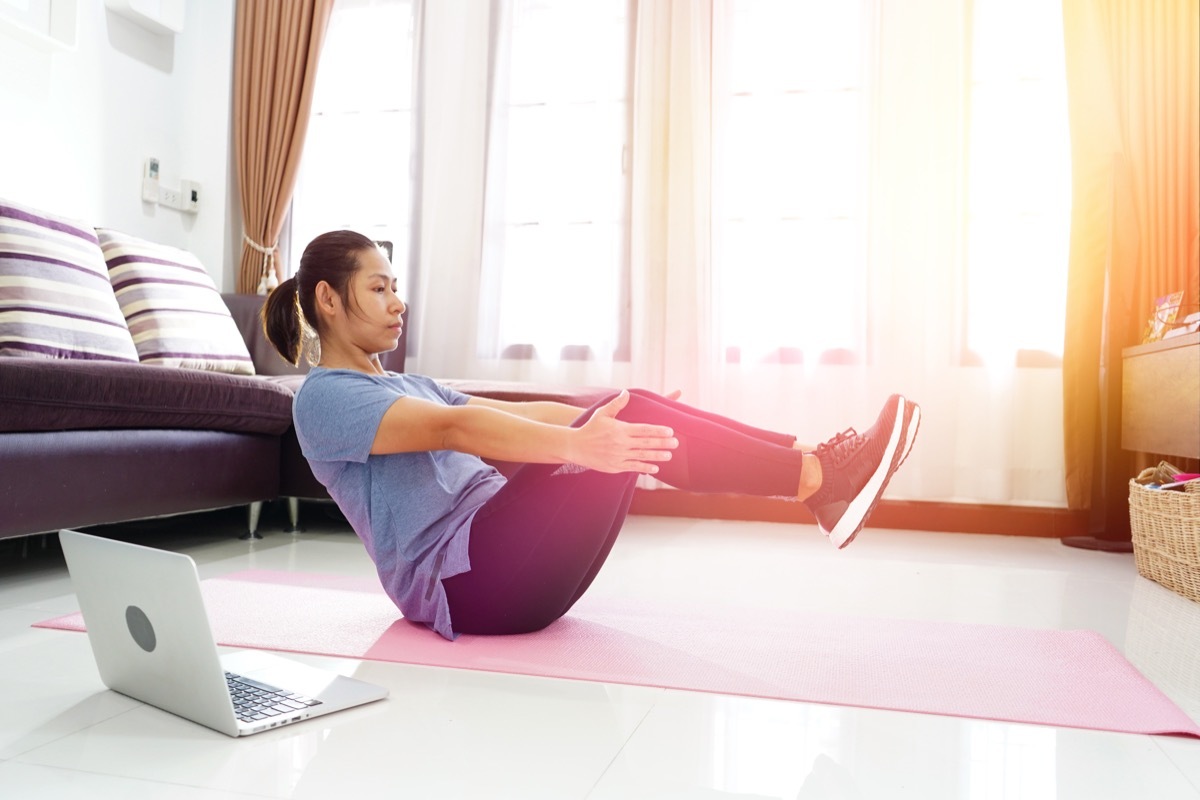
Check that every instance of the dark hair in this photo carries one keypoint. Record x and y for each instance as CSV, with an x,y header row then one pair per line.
x,y
331,257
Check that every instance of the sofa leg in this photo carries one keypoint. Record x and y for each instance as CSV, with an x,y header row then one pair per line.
x,y
255,511
293,506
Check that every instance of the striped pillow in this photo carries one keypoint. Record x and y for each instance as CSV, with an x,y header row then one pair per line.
x,y
55,298
173,309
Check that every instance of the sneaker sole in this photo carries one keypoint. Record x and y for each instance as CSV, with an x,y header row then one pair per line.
x,y
912,425
856,513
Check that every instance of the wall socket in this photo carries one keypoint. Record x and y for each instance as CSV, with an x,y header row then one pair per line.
x,y
186,198
169,197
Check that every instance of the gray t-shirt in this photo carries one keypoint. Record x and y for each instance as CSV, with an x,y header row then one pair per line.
x,y
413,511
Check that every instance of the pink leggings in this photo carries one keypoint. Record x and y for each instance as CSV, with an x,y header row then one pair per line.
x,y
539,542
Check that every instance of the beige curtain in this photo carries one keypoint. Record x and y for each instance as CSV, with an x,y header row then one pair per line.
x,y
673,334
277,45
1133,71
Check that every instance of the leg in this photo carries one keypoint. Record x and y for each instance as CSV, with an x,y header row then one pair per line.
x,y
254,511
783,439
849,472
293,507
717,454
536,546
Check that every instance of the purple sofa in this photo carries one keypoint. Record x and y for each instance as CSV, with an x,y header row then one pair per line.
x,y
90,442
93,442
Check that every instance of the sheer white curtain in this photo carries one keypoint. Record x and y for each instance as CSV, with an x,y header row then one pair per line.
x,y
355,172
887,288
452,40
674,336
555,200
493,160
838,255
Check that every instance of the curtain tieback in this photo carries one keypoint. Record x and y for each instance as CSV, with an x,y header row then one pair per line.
x,y
269,279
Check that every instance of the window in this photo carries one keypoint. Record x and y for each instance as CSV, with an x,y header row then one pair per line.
x,y
556,249
790,171
355,172
1018,184
793,155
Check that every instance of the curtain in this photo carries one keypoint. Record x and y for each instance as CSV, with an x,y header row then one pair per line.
x,y
451,41
460,133
277,45
992,431
462,130
1133,71
673,330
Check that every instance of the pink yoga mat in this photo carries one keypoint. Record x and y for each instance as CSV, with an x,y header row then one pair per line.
x,y
1072,679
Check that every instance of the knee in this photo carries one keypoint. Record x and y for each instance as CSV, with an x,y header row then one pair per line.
x,y
645,398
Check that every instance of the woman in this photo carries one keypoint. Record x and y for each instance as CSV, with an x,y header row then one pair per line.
x,y
464,550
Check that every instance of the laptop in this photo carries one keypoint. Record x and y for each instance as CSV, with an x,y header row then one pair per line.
x,y
150,636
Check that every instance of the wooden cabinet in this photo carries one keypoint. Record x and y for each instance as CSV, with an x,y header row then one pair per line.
x,y
1160,397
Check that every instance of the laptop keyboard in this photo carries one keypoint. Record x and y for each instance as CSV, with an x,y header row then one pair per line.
x,y
254,701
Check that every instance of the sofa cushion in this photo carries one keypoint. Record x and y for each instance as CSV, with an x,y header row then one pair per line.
x,y
55,297
38,395
73,478
172,307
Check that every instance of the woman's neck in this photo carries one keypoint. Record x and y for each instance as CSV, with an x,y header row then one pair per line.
x,y
357,360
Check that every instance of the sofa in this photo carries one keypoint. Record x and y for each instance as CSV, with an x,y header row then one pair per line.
x,y
130,388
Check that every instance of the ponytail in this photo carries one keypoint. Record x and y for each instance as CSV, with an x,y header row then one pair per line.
x,y
282,322
289,316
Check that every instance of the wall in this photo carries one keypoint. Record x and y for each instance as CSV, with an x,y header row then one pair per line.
x,y
77,122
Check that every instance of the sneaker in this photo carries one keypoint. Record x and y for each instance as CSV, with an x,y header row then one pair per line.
x,y
857,467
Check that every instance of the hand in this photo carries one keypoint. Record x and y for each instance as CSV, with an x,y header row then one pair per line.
x,y
606,444
675,395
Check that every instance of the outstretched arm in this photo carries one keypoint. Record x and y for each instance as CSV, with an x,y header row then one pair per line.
x,y
551,412
547,411
603,443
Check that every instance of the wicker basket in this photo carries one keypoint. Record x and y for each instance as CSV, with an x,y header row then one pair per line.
x,y
1166,536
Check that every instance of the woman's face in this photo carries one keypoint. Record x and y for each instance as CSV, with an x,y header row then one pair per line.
x,y
373,319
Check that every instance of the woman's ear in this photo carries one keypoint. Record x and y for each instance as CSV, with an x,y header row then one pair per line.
x,y
327,299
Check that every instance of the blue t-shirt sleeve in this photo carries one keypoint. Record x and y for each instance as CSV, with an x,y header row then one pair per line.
x,y
338,413
435,389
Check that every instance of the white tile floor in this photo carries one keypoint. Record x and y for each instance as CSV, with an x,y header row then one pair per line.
x,y
464,734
